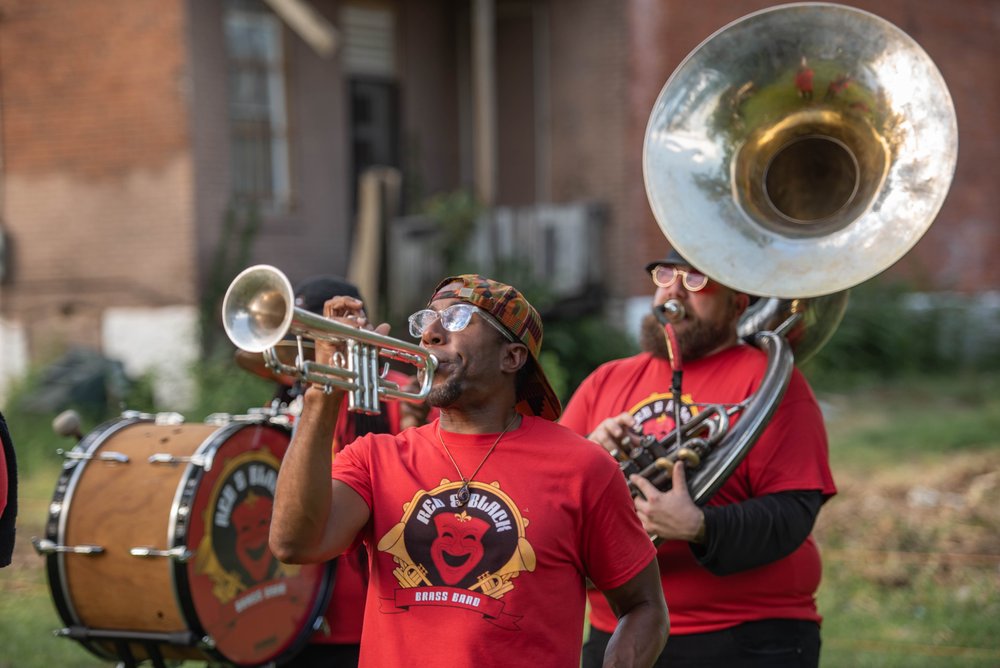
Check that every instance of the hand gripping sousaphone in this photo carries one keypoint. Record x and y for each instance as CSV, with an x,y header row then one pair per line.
x,y
794,154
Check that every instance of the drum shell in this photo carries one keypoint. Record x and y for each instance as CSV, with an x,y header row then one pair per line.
x,y
222,596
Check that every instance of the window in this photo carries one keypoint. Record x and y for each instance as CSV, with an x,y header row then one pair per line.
x,y
257,106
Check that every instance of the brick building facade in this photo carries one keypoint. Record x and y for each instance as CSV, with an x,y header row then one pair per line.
x,y
116,140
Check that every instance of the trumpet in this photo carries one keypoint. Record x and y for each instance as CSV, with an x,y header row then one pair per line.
x,y
259,311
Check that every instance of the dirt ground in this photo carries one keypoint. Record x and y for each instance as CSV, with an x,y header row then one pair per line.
x,y
947,514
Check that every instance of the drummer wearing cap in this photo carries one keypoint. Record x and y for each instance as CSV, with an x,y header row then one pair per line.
x,y
740,575
480,537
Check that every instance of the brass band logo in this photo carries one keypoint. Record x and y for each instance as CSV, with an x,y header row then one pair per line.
x,y
234,553
654,415
459,556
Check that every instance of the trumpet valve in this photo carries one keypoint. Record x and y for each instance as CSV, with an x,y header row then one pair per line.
x,y
664,464
691,459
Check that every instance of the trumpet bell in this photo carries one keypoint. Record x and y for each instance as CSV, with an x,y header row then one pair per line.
x,y
257,310
800,150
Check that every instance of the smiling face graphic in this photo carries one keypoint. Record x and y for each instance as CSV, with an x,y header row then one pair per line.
x,y
458,546
251,520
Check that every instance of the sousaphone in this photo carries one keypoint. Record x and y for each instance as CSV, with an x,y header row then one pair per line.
x,y
794,154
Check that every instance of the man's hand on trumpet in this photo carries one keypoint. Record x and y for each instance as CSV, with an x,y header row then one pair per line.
x,y
347,311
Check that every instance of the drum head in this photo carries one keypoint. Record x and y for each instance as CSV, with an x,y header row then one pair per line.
x,y
253,607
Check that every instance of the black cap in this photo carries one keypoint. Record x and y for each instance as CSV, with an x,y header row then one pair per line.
x,y
673,258
313,292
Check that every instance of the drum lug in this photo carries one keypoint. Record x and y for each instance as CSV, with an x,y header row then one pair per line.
x,y
45,546
180,553
204,461
103,456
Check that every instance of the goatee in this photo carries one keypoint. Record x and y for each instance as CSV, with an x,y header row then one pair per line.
x,y
445,394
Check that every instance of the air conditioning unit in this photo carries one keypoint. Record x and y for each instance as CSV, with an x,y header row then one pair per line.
x,y
560,244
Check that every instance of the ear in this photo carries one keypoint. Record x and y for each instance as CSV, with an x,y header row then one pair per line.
x,y
513,357
741,302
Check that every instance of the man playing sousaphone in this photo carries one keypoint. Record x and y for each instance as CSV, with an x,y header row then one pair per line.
x,y
739,575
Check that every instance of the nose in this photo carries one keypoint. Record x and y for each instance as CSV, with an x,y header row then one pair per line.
x,y
675,291
434,334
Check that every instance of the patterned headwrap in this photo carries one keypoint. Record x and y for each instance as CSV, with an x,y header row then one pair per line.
x,y
512,310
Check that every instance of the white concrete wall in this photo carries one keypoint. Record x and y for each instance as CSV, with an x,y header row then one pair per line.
x,y
160,341
13,355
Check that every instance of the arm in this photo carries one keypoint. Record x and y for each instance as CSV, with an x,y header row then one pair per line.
x,y
643,624
728,539
758,531
315,518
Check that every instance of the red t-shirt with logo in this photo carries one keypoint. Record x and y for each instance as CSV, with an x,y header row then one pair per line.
x,y
791,454
500,579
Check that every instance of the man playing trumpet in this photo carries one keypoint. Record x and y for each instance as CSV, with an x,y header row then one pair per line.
x,y
480,537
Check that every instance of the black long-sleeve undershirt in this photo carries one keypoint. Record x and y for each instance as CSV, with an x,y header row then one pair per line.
x,y
755,532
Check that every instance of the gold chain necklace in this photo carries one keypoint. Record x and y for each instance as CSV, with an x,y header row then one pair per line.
x,y
463,493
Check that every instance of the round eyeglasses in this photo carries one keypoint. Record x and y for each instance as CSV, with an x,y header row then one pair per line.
x,y
664,276
455,318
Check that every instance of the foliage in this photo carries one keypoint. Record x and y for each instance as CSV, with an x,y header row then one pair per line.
x,y
32,429
909,543
223,387
883,337
579,345
455,213
231,255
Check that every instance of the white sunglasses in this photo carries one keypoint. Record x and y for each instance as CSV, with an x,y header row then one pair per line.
x,y
455,318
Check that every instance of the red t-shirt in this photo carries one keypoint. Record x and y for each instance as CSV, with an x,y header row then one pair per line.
x,y
501,579
791,454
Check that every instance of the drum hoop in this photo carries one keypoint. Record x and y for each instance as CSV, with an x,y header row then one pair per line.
x,y
56,524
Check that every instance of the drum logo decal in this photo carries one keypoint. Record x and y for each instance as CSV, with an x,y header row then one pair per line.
x,y
458,556
233,552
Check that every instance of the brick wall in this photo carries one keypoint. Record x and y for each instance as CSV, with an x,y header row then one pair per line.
x,y
958,251
591,149
97,174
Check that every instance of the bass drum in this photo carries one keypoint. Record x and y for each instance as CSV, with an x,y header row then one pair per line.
x,y
156,544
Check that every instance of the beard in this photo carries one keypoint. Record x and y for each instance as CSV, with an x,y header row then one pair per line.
x,y
448,392
697,340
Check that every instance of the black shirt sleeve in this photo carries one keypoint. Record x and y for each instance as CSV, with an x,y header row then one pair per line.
x,y
745,535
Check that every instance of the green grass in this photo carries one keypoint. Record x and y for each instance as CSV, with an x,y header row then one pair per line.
x,y
907,584
27,615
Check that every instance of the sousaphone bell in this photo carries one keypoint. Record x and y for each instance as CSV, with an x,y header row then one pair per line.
x,y
794,154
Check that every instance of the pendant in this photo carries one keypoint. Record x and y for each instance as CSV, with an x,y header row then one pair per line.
x,y
463,494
